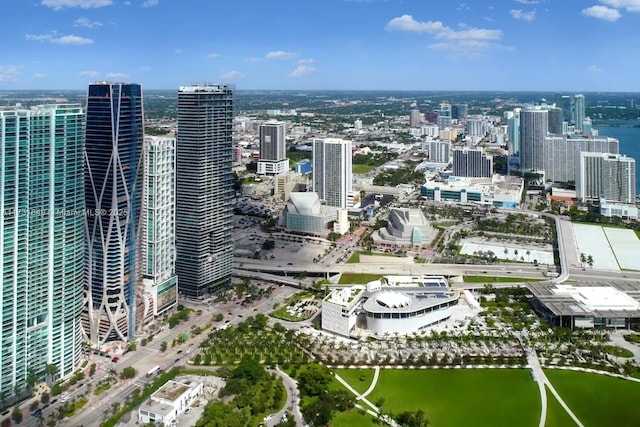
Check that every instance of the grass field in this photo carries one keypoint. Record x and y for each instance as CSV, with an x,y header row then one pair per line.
x,y
598,400
460,398
556,415
359,168
352,376
357,278
352,418
355,258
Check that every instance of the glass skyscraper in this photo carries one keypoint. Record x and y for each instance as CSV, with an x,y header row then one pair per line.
x,y
113,192
204,188
42,242
332,170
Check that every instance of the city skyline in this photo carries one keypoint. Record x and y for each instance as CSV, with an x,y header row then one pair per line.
x,y
338,44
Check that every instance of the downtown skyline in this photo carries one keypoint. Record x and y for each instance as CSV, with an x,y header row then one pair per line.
x,y
338,44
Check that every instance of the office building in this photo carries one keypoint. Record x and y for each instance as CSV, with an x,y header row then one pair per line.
x,y
579,112
460,111
472,163
204,188
478,126
273,149
42,243
606,176
564,102
304,167
113,194
556,121
513,133
415,118
332,171
534,126
158,244
444,116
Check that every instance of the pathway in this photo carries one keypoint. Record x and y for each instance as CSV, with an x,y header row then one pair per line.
x,y
376,374
542,379
361,397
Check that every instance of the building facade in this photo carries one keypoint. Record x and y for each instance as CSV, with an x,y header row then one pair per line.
x,y
273,149
534,126
158,244
472,163
332,171
42,243
113,195
562,153
606,176
204,188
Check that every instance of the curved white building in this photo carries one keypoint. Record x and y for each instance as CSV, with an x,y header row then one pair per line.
x,y
405,227
304,213
403,306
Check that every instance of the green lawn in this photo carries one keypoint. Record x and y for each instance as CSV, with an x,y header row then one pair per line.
x,y
355,258
598,400
556,415
462,397
360,168
357,278
352,418
352,376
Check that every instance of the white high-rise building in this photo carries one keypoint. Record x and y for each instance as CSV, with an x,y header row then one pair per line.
x,y
472,163
332,171
606,176
273,149
534,126
415,118
159,237
563,152
439,151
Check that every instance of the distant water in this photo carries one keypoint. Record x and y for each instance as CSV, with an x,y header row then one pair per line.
x,y
628,133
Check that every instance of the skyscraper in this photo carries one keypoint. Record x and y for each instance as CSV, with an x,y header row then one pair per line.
x,y
273,149
415,118
534,127
204,188
555,120
513,133
444,116
472,163
332,170
158,245
42,243
113,193
608,176
579,112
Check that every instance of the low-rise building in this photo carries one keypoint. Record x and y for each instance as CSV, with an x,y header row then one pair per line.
x,y
169,402
499,190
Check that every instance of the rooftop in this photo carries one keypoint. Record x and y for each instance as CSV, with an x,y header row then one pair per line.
x,y
171,391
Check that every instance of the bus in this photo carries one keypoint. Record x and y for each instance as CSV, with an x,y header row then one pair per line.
x,y
153,370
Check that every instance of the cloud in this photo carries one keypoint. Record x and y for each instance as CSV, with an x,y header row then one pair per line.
x,y
82,4
594,69
463,6
39,76
54,38
213,56
602,12
303,70
150,3
9,73
232,75
85,22
469,33
527,1
408,24
305,61
525,16
280,54
628,5
254,59
116,75
89,73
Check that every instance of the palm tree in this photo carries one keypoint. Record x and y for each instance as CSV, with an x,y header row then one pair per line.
x,y
590,261
528,254
583,258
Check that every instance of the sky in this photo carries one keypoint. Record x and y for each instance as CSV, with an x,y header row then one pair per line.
x,y
486,45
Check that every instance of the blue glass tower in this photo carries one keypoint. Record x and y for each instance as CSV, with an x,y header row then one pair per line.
x,y
113,194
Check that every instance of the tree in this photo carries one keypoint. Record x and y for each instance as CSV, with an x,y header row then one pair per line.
x,y
590,261
412,419
128,372
163,346
16,415
313,379
583,258
51,371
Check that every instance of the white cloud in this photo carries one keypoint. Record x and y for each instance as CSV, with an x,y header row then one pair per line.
x,y
527,1
232,75
254,59
9,73
89,73
305,61
629,5
463,6
150,3
83,4
594,69
302,70
213,56
525,16
55,38
469,33
39,76
602,12
407,23
280,54
85,22
116,75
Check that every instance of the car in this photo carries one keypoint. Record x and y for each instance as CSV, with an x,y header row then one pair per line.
x,y
115,359
179,351
54,401
240,315
255,309
268,417
187,410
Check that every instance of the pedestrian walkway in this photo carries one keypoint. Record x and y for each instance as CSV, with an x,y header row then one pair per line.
x,y
376,374
375,411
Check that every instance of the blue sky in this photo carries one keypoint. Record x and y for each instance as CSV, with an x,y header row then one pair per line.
x,y
538,45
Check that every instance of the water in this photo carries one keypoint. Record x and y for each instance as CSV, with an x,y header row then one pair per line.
x,y
629,137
